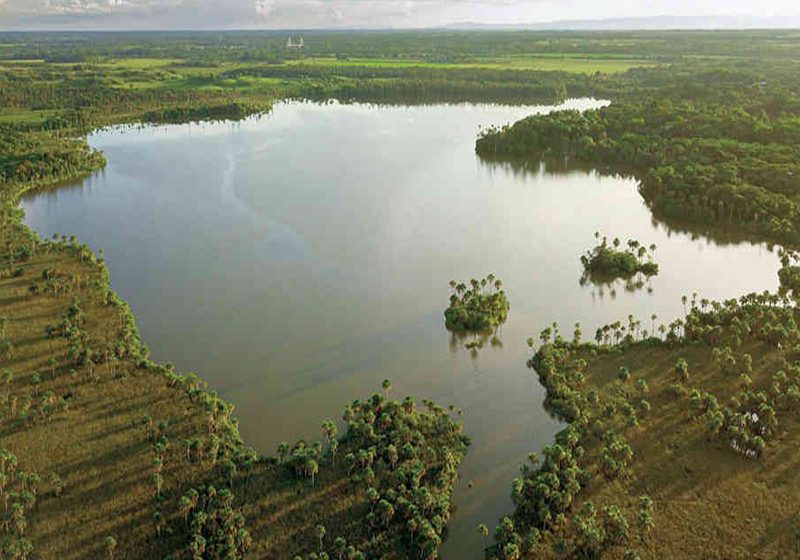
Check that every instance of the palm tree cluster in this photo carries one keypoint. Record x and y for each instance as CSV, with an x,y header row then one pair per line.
x,y
745,424
28,398
752,415
480,307
18,493
609,261
404,460
594,535
217,530
547,490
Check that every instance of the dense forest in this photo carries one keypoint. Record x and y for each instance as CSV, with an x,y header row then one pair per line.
x,y
106,453
714,146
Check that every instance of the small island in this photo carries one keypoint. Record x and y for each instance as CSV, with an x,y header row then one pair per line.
x,y
480,307
609,261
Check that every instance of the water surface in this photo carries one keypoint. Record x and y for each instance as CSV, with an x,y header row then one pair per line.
x,y
296,260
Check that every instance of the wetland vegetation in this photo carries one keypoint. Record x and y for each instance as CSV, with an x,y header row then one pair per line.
x,y
606,261
479,306
136,460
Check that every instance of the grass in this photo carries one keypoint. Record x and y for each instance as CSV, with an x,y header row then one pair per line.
x,y
572,64
137,63
707,497
99,446
25,116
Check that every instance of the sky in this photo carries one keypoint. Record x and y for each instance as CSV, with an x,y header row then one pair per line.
x,y
305,14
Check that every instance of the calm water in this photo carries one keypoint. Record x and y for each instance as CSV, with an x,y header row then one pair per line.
x,y
296,260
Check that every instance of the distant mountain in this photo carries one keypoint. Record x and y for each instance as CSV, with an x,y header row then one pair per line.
x,y
645,23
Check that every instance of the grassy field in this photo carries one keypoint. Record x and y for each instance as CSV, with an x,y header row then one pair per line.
x,y
707,497
25,116
573,64
94,451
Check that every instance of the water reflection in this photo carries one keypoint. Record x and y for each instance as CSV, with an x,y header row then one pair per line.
x,y
297,260
522,167
474,342
602,286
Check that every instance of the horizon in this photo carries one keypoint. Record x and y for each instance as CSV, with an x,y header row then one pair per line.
x,y
701,24
280,15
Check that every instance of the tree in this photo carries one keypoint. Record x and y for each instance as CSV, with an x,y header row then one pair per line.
x,y
110,544
283,449
6,349
334,446
57,484
385,512
319,531
511,551
329,430
52,364
616,525
36,380
645,519
312,468
339,547
386,386
682,369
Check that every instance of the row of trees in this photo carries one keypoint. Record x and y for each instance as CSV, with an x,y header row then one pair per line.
x,y
548,489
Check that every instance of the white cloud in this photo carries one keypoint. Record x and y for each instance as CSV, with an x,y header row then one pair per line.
x,y
338,13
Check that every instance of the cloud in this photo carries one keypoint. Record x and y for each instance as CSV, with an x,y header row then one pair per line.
x,y
346,13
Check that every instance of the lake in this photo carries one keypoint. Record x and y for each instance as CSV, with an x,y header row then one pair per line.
x,y
297,259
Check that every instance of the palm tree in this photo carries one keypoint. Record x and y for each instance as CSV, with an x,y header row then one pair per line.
x,y
329,429
111,545
334,446
319,530
339,546
386,386
312,468
283,449
36,380
52,364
